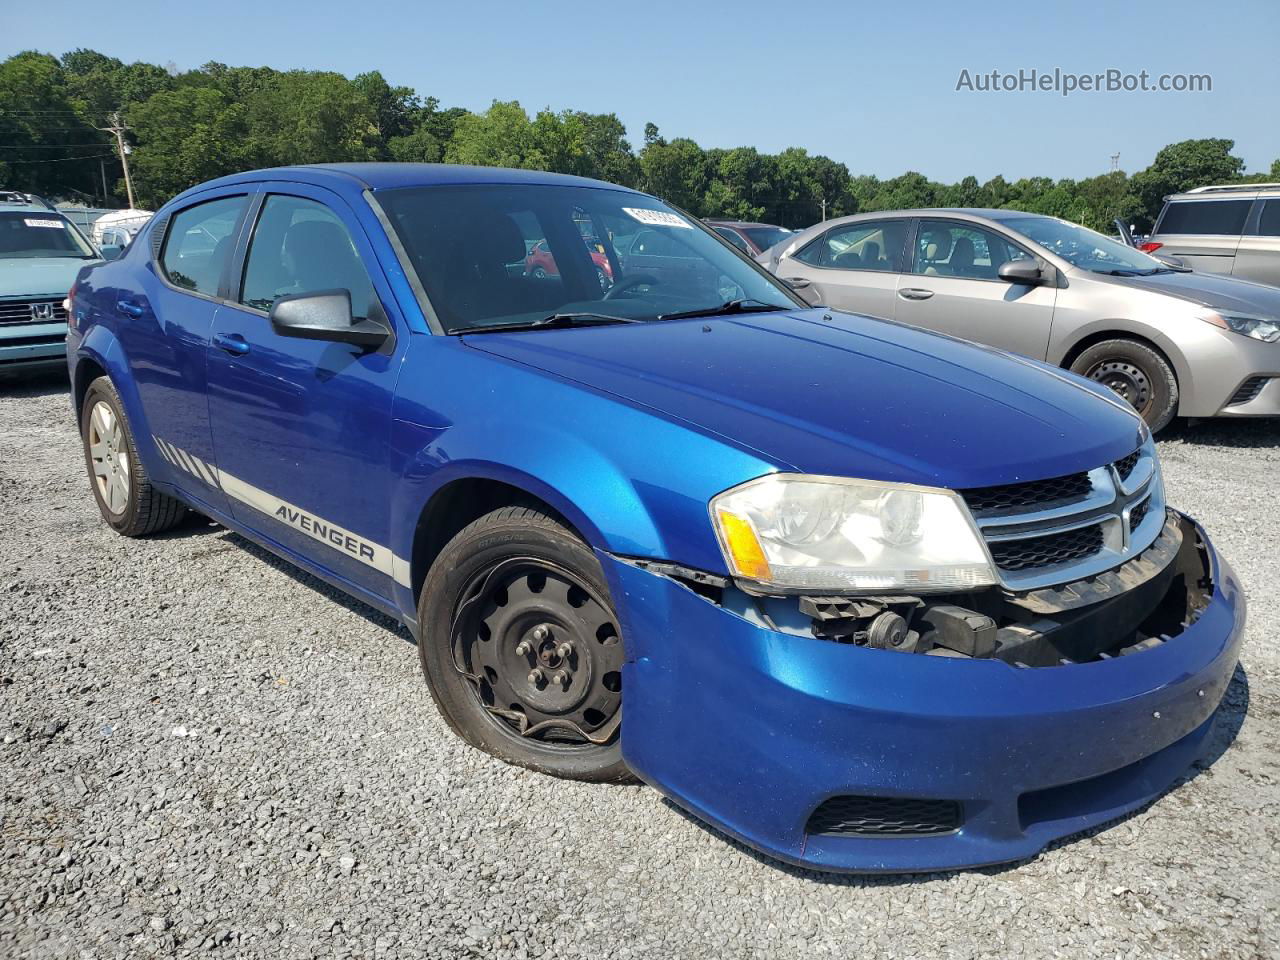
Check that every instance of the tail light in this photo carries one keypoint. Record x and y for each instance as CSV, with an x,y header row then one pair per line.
x,y
1149,246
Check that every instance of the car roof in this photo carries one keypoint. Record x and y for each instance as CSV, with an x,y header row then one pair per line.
x,y
345,177
714,222
1229,191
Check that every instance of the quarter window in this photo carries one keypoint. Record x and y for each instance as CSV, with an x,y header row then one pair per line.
x,y
199,243
1269,219
952,249
865,245
300,246
1218,217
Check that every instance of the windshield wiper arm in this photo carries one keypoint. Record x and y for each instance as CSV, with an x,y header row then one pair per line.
x,y
554,321
745,305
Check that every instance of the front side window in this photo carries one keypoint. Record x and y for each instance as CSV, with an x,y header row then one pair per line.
x,y
1085,248
766,237
950,248
864,245
597,252
301,246
1224,217
199,242
39,234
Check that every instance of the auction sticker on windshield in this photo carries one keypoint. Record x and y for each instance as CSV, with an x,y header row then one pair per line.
x,y
656,218
56,224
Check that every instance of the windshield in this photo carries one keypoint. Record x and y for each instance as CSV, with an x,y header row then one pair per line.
x,y
34,233
1084,248
766,237
499,255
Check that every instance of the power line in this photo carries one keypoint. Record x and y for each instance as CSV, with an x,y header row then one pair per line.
x,y
95,156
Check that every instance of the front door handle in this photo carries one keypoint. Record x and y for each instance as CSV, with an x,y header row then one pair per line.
x,y
915,293
799,283
129,308
233,343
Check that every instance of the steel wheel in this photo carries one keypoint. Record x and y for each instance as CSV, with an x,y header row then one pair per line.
x,y
109,457
542,653
1127,379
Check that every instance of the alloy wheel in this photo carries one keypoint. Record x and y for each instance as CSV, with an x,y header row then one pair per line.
x,y
109,456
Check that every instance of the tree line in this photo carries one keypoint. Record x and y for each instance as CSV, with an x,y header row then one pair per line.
x,y
185,127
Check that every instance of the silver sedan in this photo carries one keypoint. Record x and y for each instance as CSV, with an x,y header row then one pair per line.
x,y
1170,341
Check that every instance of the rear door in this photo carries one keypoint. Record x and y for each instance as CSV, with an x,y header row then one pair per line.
x,y
165,324
953,287
302,427
853,266
1204,234
1258,256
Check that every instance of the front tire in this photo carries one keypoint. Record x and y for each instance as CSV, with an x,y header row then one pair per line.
x,y
129,504
1136,373
520,646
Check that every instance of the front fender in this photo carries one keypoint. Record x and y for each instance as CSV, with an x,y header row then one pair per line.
x,y
630,481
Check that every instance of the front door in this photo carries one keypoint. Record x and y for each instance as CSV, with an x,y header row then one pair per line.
x,y
954,287
302,427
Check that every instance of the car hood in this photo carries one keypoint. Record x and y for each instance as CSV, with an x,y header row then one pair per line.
x,y
1209,290
37,277
845,396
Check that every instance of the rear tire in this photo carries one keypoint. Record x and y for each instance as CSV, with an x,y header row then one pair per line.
x,y
1136,373
520,646
129,504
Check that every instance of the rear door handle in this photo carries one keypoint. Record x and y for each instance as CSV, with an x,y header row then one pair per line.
x,y
233,343
915,293
798,282
129,308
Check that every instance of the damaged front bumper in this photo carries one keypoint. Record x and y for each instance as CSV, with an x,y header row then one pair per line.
x,y
841,757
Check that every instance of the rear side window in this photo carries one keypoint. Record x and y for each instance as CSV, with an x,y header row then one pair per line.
x,y
1269,221
1205,216
301,246
868,245
733,238
199,242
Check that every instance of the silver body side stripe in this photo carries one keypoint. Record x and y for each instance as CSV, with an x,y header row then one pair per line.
x,y
371,554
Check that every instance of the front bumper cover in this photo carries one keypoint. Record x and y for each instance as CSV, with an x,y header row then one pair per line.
x,y
751,729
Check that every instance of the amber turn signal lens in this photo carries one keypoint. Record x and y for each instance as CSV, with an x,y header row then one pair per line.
x,y
744,549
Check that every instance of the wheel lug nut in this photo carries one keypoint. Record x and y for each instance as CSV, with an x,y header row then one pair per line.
x,y
564,649
523,648
561,678
535,677
540,632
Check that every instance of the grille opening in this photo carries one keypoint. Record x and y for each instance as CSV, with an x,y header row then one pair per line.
x,y
1048,550
856,816
1125,467
18,312
1248,391
1138,514
1035,494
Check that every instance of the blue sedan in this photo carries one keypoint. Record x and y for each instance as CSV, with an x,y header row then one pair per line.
x,y
873,599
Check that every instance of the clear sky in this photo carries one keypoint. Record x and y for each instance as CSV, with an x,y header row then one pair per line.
x,y
869,84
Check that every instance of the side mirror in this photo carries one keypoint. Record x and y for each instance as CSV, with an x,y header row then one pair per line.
x,y
1021,271
1122,228
111,251
325,315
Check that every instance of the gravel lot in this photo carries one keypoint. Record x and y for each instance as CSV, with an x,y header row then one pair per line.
x,y
204,750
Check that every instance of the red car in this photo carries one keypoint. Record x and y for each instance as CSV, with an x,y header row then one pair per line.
x,y
540,263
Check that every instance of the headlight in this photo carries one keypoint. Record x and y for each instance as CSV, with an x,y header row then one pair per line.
x,y
1265,329
797,532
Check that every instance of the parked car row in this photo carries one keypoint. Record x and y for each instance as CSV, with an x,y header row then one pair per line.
x,y
1168,340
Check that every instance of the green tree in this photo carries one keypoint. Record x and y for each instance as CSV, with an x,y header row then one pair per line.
x,y
502,136
185,136
1182,166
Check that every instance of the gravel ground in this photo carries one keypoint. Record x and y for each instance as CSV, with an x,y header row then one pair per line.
x,y
204,750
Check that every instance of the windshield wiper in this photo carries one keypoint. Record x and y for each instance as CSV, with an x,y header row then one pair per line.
x,y
555,321
744,305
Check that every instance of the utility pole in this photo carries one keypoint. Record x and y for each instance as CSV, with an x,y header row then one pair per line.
x,y
119,129
1115,162
824,208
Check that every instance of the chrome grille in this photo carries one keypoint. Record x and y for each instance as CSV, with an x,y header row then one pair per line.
x,y
31,311
852,816
1046,532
